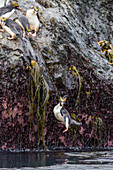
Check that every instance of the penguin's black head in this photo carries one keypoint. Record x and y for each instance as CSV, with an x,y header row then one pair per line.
x,y
16,6
36,9
63,100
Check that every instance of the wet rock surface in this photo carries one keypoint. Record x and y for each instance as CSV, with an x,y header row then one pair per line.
x,y
67,29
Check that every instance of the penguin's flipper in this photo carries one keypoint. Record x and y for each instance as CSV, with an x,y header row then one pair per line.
x,y
15,28
21,26
64,112
34,34
12,26
11,38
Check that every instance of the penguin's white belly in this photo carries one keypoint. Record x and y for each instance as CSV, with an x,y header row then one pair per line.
x,y
33,21
57,113
59,116
34,25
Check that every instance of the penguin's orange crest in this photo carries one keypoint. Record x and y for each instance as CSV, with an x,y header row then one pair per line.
x,y
15,4
3,18
27,28
36,8
63,100
27,67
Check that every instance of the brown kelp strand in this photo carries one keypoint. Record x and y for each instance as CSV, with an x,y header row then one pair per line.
x,y
38,97
98,130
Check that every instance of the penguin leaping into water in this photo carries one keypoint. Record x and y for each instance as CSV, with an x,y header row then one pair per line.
x,y
63,115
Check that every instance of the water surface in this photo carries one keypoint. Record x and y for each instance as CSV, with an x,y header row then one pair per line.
x,y
57,160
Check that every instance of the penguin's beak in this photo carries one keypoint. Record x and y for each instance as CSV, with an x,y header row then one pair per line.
x,y
29,33
61,103
19,8
2,23
35,12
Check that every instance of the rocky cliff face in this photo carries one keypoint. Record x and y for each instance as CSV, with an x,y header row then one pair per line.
x,y
67,31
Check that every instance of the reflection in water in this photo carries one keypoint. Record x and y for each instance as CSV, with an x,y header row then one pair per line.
x,y
30,159
38,159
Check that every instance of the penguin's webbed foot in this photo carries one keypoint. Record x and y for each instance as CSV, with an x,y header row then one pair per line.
x,y
65,130
1,30
10,38
34,35
24,35
28,34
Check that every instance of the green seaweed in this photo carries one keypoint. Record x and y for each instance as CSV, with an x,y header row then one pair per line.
x,y
88,95
76,73
38,97
97,126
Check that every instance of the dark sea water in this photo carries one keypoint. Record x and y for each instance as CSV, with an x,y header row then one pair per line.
x,y
57,160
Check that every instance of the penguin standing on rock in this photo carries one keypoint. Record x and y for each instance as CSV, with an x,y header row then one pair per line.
x,y
7,11
63,115
33,18
23,22
11,27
